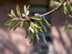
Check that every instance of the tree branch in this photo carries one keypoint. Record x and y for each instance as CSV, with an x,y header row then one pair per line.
x,y
27,20
53,9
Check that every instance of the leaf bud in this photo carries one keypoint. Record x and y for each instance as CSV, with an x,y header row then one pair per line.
x,y
65,4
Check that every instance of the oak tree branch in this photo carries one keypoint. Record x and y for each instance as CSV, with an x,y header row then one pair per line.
x,y
53,9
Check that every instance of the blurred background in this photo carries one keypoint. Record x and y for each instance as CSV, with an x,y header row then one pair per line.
x,y
14,42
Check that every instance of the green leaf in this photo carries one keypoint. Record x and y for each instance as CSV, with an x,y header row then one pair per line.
x,y
13,25
65,10
21,25
26,29
18,11
36,17
25,9
8,22
11,22
13,14
17,25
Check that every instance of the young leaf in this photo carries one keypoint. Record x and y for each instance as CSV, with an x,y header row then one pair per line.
x,y
21,25
13,25
36,17
23,15
11,22
17,25
25,9
18,11
8,22
26,29
27,13
13,14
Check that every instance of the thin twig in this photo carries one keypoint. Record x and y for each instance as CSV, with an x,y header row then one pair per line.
x,y
27,20
53,9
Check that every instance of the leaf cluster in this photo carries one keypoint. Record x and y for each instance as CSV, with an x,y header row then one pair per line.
x,y
34,27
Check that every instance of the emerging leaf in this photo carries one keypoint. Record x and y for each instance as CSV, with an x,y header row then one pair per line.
x,y
25,9
18,11
23,15
17,25
13,25
8,22
13,14
27,13
26,29
21,25
36,17
11,22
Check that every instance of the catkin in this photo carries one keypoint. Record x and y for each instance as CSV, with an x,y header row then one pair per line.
x,y
46,23
35,25
37,40
44,37
32,36
43,28
39,25
36,32
42,33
